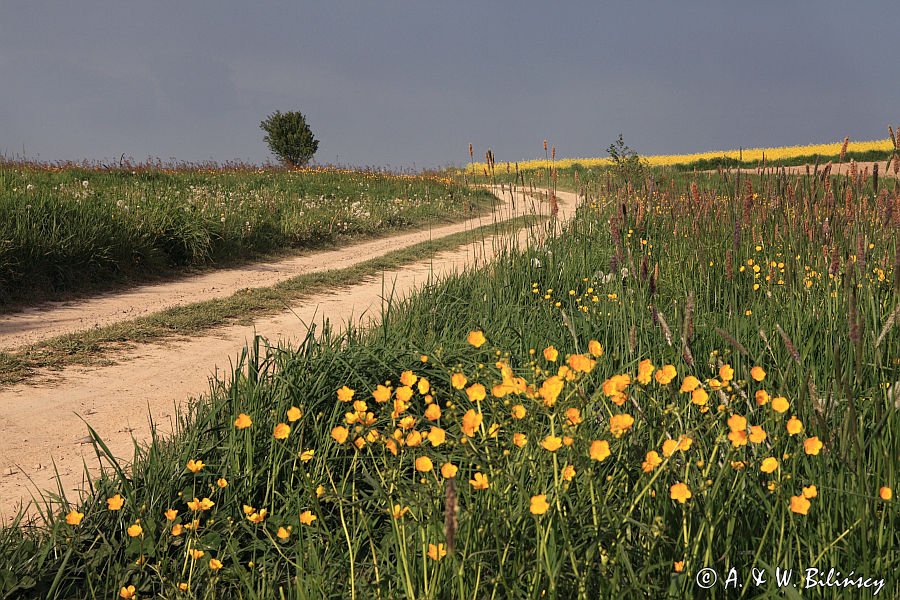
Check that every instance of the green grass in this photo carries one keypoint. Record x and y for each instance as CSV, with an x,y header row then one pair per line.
x,y
72,230
101,345
613,530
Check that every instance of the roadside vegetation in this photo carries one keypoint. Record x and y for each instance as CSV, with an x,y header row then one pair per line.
x,y
69,229
698,371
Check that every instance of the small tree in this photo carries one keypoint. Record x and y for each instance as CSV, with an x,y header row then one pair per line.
x,y
626,162
290,138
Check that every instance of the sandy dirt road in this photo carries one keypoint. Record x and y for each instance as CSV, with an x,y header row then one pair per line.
x,y
42,425
58,318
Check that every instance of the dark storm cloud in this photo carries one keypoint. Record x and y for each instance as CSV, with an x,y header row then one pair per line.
x,y
401,82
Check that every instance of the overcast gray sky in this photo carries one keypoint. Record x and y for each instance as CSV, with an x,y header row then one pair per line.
x,y
403,83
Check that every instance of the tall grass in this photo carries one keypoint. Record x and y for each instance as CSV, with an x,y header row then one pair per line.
x,y
552,346
73,229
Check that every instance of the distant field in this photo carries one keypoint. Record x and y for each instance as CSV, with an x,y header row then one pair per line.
x,y
751,157
73,229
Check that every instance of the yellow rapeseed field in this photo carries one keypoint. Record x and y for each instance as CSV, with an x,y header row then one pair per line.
x,y
746,154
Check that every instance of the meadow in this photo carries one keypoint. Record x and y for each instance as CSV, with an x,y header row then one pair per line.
x,y
697,372
69,229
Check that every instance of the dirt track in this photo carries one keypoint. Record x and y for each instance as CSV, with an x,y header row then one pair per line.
x,y
57,318
41,424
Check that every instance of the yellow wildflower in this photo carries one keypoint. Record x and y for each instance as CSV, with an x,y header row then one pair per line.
x,y
599,450
539,504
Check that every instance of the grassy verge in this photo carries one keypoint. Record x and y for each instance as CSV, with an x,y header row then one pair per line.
x,y
696,378
76,230
97,346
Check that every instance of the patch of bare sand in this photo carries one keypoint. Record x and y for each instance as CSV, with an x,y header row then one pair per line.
x,y
42,424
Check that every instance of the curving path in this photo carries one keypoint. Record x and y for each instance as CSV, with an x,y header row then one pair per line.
x,y
42,424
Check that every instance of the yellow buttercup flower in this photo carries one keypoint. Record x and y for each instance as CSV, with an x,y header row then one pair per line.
x,y
340,434
283,533
479,481
215,564
780,404
135,530
458,381
757,434
794,426
551,389
222,483
758,373
651,461
689,384
195,466
115,503
800,505
243,421
762,397
471,421
738,438
398,511
812,446
413,439
519,439
769,465
666,374
307,517
885,493
539,504
599,450
518,411
449,470
197,554
581,363
381,394
551,443
680,492
699,397
726,373
408,378
258,516
476,392
476,338
573,416
171,514
437,436
345,394
810,491
619,424
404,393
424,464
307,455
433,412
595,348
74,517
281,431
645,371
436,552
551,354
568,473
294,414
127,592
